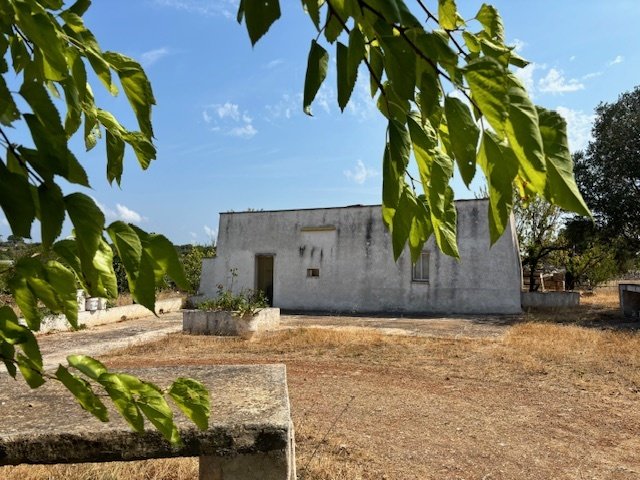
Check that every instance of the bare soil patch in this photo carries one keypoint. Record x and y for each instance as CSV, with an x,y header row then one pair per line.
x,y
541,401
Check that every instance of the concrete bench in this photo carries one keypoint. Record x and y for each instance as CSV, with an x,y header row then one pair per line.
x,y
250,433
629,299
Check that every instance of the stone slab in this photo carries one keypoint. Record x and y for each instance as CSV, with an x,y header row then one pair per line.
x,y
250,416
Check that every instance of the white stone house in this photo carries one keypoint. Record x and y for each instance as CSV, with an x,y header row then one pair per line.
x,y
341,260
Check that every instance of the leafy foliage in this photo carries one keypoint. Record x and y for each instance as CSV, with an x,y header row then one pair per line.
x,y
46,55
608,171
450,97
538,226
247,302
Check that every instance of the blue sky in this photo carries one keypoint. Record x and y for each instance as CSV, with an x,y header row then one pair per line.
x,y
229,125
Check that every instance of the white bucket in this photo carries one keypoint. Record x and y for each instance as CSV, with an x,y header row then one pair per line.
x,y
92,304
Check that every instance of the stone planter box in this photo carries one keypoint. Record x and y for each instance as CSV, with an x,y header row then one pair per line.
x,y
227,323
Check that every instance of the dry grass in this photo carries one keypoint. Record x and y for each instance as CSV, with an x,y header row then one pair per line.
x,y
544,401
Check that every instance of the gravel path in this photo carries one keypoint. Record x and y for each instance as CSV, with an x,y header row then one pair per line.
x,y
97,340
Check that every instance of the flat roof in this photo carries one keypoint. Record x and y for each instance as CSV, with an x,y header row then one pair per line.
x,y
357,205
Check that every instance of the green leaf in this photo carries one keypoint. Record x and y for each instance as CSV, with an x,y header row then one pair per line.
x,y
52,212
490,19
163,256
471,41
399,144
348,61
79,7
88,222
16,202
444,230
392,182
376,61
317,65
333,26
42,30
32,270
448,14
63,282
464,136
344,87
155,408
429,98
31,372
421,228
115,157
137,87
67,250
400,65
488,83
103,264
402,221
312,8
7,354
192,398
8,110
83,393
500,166
561,186
259,16
25,299
523,132
19,54
119,386
91,367
138,268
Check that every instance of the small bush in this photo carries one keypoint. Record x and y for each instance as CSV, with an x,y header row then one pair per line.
x,y
247,302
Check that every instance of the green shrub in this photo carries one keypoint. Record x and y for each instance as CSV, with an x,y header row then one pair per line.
x,y
247,302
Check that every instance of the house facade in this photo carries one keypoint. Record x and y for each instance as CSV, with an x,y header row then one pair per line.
x,y
341,260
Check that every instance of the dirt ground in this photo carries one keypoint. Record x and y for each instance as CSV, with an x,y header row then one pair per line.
x,y
526,400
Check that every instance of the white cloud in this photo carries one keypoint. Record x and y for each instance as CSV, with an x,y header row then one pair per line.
x,y
209,8
288,106
153,56
360,173
615,61
518,45
229,119
555,82
275,63
578,127
211,233
122,212
245,131
228,110
572,58
128,215
591,75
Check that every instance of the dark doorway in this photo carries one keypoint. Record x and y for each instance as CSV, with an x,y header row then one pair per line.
x,y
264,276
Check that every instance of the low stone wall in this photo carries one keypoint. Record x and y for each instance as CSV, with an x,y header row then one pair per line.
x,y
629,299
111,315
226,323
549,300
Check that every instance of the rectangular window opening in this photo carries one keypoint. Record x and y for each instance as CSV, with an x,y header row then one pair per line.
x,y
421,268
313,272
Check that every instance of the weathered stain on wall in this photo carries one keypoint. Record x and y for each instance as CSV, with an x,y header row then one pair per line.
x,y
352,250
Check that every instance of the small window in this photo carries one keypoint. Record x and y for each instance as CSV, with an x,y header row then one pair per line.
x,y
313,272
421,268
